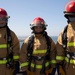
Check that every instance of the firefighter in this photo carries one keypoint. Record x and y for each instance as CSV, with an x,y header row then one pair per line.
x,y
66,42
9,46
38,51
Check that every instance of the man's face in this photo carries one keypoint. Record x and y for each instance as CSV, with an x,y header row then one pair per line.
x,y
71,18
3,21
38,28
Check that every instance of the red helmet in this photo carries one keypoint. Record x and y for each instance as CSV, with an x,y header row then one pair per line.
x,y
70,8
37,22
3,13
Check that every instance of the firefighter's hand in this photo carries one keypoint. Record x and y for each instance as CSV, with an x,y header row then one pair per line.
x,y
49,71
61,70
17,66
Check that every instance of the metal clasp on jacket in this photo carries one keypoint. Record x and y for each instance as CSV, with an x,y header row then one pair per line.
x,y
39,57
3,58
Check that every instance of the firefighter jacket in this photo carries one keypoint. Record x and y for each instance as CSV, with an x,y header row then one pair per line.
x,y
4,52
66,57
39,50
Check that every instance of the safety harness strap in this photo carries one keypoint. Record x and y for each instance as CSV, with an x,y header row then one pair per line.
x,y
9,49
48,41
64,38
30,50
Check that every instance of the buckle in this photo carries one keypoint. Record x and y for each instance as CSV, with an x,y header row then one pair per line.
x,y
39,57
73,57
3,58
68,55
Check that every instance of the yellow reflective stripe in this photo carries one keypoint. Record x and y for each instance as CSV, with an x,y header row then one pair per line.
x,y
32,65
39,51
71,44
47,64
67,60
24,64
71,60
3,61
16,57
53,61
3,45
59,57
40,66
37,66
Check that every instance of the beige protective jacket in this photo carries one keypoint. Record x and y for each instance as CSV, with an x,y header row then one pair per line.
x,y
4,52
39,49
69,65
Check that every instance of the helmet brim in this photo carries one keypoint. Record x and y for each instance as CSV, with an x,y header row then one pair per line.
x,y
8,17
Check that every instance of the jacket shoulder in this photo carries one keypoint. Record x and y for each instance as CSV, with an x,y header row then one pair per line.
x,y
26,39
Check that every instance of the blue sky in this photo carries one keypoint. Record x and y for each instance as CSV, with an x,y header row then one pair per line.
x,y
22,13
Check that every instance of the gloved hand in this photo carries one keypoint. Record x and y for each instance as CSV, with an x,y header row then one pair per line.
x,y
60,69
51,71
16,67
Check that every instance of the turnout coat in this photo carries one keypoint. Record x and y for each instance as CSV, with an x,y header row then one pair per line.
x,y
39,49
4,52
62,57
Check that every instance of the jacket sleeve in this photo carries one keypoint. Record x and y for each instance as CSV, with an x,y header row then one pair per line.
x,y
23,55
53,53
15,46
60,50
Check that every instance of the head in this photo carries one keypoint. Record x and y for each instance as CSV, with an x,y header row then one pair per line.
x,y
3,17
69,12
38,25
